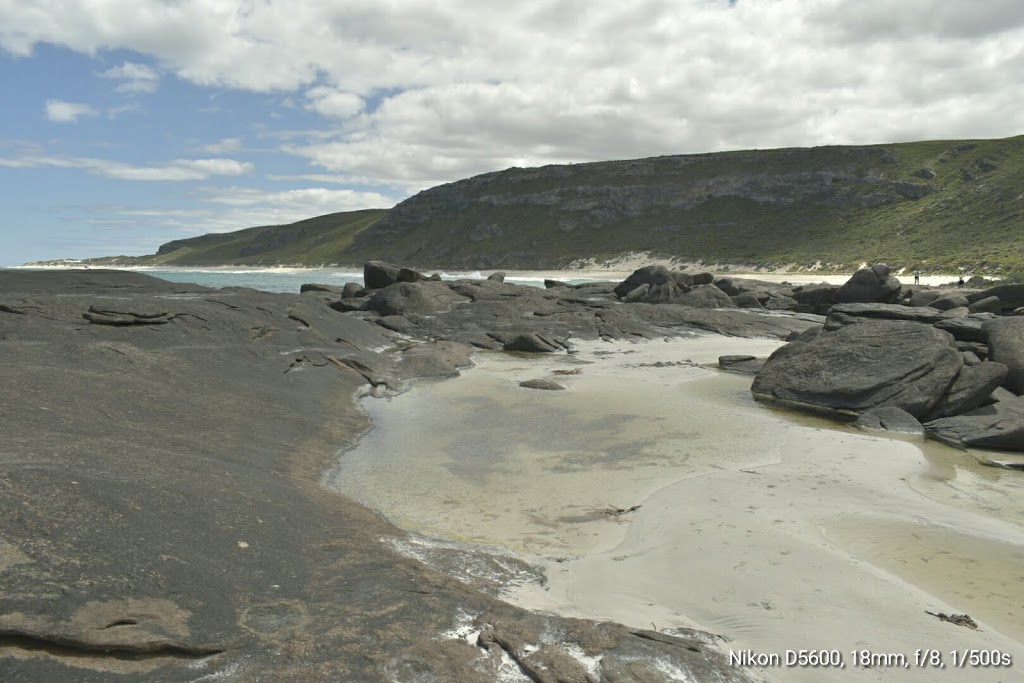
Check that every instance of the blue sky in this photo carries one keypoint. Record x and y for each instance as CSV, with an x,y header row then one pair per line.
x,y
127,124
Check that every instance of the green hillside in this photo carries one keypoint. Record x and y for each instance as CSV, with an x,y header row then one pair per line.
x,y
941,205
317,241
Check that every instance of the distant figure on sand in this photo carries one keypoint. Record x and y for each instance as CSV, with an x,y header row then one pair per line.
x,y
960,283
917,277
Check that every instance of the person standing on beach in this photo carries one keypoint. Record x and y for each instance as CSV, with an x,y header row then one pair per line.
x,y
917,277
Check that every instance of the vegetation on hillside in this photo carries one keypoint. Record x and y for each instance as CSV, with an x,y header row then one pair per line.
x,y
939,206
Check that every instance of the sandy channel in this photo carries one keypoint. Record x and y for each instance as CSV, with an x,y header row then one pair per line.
x,y
779,532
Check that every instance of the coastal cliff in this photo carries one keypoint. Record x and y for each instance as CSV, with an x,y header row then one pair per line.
x,y
940,205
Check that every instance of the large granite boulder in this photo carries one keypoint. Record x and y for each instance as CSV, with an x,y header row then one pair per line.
x,y
1011,296
859,367
648,275
870,285
1006,345
1000,425
972,387
422,298
841,315
706,296
889,419
378,275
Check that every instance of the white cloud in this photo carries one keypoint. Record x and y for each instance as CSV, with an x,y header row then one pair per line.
x,y
426,91
135,77
333,103
60,111
176,170
223,146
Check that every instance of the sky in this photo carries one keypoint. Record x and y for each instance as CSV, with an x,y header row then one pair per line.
x,y
125,124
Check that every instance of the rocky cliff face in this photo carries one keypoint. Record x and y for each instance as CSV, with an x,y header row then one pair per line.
x,y
732,206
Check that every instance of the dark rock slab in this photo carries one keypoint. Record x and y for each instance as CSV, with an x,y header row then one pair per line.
x,y
972,388
422,298
316,287
870,285
352,290
378,275
858,367
845,314
1010,296
999,426
1005,338
963,329
532,343
890,419
648,275
705,296
546,384
745,365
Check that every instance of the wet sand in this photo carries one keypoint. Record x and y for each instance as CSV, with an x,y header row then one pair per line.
x,y
778,531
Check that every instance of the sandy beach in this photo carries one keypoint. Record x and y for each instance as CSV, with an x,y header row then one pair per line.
x,y
779,532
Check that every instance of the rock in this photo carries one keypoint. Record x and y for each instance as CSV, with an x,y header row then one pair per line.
x,y
870,285
496,277
1002,394
547,384
970,358
314,287
378,275
745,365
923,297
422,298
352,290
784,303
949,301
638,294
841,315
549,284
433,360
963,329
727,285
858,367
532,343
1006,345
821,297
972,387
891,419
705,296
410,275
698,279
649,275
1010,296
398,323
999,426
746,300
990,304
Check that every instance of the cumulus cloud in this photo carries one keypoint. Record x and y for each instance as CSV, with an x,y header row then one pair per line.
x,y
223,146
135,78
424,91
60,111
333,103
176,170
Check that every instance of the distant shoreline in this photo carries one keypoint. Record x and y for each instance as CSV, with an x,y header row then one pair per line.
x,y
596,272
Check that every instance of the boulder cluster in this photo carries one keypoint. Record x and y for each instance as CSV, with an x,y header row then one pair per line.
x,y
948,362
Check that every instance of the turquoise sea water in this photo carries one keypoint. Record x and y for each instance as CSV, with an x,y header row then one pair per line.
x,y
289,280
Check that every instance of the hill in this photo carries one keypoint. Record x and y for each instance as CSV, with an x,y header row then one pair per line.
x,y
941,205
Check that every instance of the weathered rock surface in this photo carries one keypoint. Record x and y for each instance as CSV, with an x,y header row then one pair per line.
x,y
162,515
870,285
540,383
890,419
421,298
745,365
1005,338
971,388
999,426
858,367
